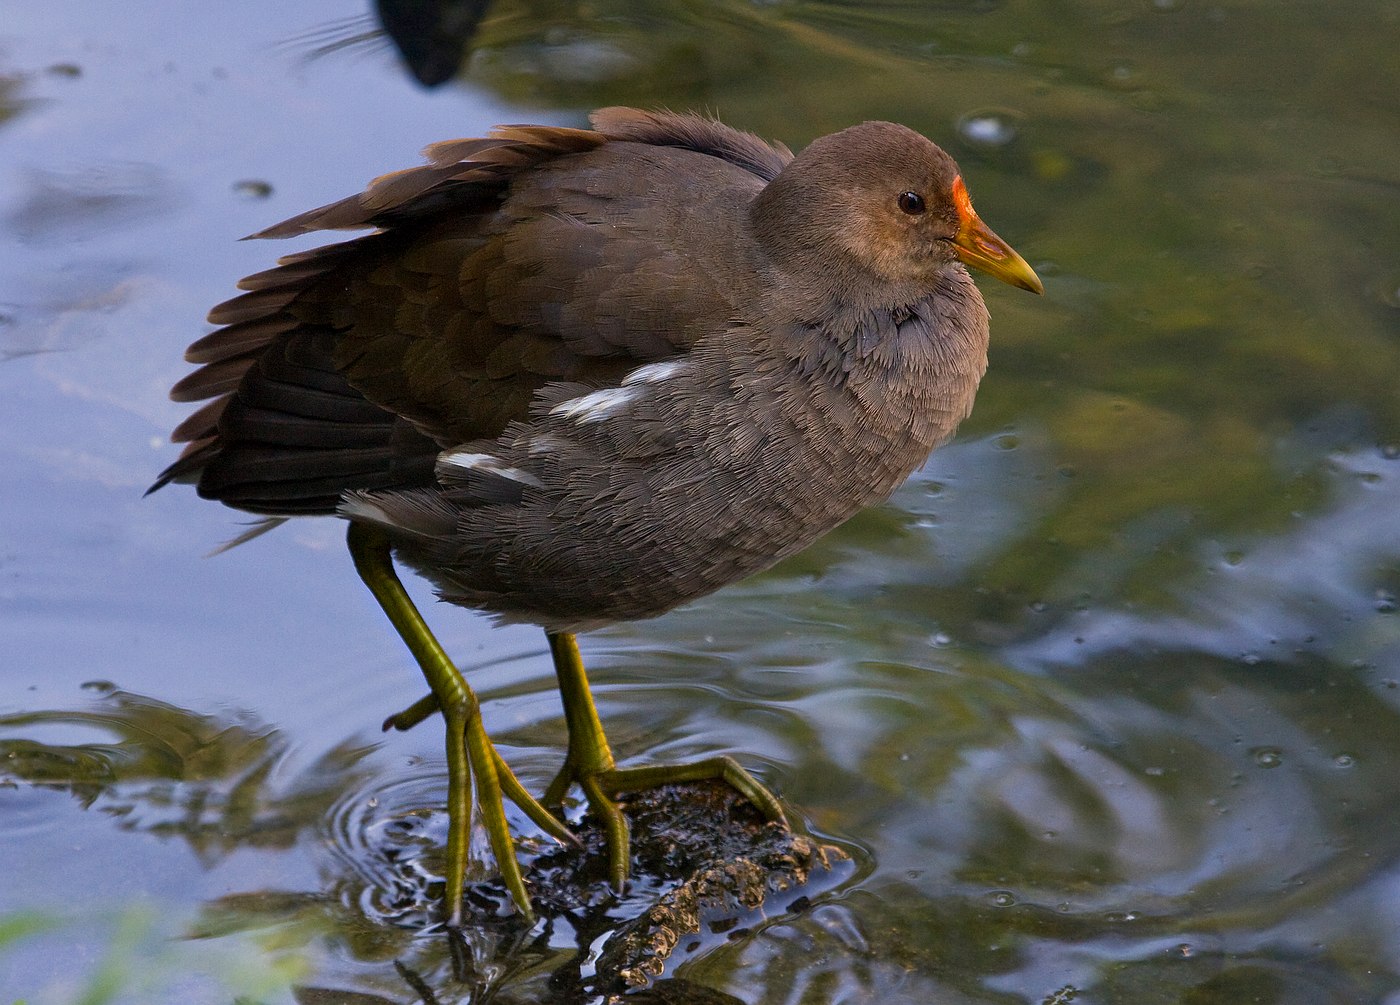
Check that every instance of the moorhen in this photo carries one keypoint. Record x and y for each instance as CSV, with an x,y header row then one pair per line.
x,y
579,376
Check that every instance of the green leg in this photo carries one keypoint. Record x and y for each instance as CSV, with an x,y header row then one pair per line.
x,y
589,761
469,749
510,785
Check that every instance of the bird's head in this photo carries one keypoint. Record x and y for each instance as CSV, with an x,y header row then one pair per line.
x,y
881,204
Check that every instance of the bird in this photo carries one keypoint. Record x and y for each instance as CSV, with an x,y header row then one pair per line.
x,y
580,376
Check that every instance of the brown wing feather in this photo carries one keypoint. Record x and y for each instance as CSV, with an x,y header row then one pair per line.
x,y
535,255
692,132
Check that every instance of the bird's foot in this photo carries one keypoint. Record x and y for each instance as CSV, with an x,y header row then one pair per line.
x,y
471,756
404,721
602,785
589,764
511,786
470,753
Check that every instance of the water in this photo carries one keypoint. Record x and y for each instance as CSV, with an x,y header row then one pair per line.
x,y
1106,701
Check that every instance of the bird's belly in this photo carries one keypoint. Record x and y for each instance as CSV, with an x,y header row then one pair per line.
x,y
619,538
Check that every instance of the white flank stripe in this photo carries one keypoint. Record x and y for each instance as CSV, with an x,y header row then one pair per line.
x,y
488,464
359,508
465,460
653,373
545,443
595,406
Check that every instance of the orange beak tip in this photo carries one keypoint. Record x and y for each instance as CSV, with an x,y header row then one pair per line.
x,y
976,245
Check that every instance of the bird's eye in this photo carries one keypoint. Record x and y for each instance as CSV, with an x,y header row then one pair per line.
x,y
911,203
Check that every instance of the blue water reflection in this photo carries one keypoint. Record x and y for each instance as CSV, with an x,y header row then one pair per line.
x,y
1104,703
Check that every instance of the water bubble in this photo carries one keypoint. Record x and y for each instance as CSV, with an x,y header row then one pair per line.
x,y
1155,772
99,686
1390,451
989,127
941,639
1249,659
1120,75
1267,757
1002,898
1385,602
1344,761
1006,441
1039,606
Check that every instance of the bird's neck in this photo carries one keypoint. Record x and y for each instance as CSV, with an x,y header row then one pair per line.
x,y
933,335
911,368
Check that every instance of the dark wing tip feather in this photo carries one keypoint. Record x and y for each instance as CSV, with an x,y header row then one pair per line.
x,y
211,380
201,424
187,468
238,339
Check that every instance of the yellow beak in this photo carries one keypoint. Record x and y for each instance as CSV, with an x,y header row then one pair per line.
x,y
978,247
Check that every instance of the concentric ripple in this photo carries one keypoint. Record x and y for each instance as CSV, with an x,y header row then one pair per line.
x,y
387,838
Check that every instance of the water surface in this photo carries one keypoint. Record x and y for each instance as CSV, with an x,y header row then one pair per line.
x,y
1105,701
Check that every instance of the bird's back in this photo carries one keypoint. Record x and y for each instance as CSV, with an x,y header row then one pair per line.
x,y
536,256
